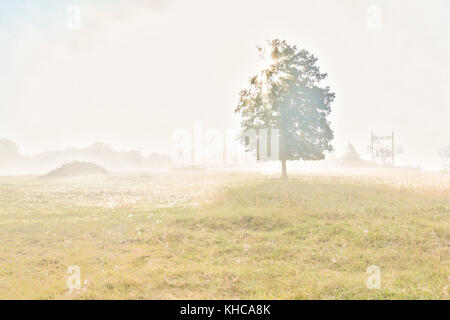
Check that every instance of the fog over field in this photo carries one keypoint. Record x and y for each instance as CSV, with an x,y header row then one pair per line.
x,y
224,149
134,72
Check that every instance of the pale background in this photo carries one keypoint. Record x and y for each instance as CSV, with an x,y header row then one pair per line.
x,y
138,70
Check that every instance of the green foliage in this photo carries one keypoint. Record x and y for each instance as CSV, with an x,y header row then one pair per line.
x,y
445,156
287,95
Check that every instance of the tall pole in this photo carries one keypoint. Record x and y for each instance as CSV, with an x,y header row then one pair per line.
x,y
393,149
139,159
224,156
371,140
257,145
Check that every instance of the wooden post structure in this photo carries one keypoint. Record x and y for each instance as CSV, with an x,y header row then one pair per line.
x,y
374,139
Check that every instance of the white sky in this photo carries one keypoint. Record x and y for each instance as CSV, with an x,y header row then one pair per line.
x,y
138,70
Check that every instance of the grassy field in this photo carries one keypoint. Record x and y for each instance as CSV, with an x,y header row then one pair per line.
x,y
225,236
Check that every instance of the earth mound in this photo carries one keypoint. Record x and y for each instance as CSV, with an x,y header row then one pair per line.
x,y
76,169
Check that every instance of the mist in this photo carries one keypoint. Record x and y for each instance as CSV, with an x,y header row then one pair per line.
x,y
224,155
132,74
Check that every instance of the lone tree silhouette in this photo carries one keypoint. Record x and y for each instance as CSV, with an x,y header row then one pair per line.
x,y
287,95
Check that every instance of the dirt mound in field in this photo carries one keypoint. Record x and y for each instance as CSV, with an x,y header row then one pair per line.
x,y
75,169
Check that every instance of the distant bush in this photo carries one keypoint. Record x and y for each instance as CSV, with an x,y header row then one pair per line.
x,y
351,157
76,168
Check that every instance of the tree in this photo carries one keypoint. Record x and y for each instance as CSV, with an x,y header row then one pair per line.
x,y
9,155
351,156
383,151
8,147
445,156
287,95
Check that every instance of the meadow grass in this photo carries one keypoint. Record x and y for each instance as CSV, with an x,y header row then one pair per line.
x,y
224,236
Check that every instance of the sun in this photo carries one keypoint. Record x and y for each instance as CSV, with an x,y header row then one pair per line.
x,y
269,74
267,61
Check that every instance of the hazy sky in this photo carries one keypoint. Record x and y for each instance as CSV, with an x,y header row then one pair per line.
x,y
137,70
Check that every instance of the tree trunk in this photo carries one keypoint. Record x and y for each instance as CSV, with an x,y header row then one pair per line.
x,y
284,175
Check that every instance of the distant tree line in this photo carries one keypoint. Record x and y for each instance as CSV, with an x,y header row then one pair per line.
x,y
13,162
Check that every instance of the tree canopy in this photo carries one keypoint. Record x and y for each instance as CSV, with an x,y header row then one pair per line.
x,y
287,95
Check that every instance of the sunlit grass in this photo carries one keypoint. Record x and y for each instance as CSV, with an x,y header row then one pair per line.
x,y
217,235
